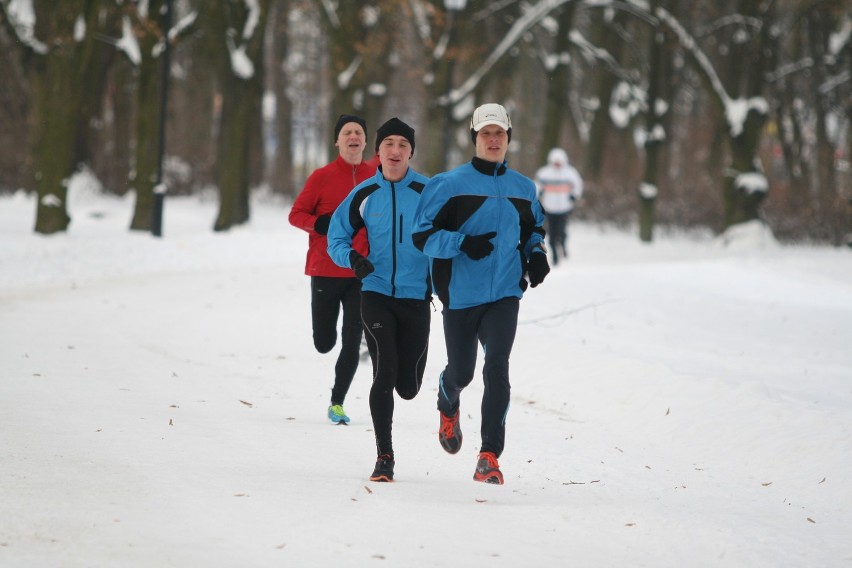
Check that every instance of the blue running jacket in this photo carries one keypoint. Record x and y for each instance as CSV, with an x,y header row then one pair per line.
x,y
473,199
386,210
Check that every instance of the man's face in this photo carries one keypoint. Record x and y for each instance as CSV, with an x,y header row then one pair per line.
x,y
351,142
394,153
492,143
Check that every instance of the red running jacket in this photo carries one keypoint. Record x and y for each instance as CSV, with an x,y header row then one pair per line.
x,y
325,188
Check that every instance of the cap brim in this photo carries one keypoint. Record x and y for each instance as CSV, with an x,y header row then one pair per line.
x,y
499,123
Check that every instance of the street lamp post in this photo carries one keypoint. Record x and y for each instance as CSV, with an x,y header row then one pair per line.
x,y
451,6
160,186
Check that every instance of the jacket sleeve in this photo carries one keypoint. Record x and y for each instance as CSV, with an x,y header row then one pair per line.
x,y
577,182
431,233
534,228
340,232
303,212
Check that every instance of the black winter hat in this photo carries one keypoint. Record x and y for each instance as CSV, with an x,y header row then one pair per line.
x,y
397,127
346,118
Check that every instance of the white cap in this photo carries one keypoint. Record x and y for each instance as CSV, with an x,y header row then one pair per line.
x,y
490,113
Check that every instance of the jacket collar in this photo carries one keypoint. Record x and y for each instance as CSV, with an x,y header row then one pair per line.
x,y
409,174
346,166
488,168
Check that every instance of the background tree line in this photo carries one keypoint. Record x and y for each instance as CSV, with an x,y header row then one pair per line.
x,y
679,114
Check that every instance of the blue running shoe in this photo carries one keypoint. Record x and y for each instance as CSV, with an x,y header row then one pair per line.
x,y
337,415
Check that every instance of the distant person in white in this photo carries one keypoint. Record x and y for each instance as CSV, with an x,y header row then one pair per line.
x,y
559,186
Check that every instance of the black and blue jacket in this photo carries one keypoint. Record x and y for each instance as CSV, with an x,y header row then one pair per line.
x,y
473,199
386,209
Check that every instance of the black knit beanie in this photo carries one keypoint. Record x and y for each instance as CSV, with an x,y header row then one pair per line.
x,y
397,127
345,118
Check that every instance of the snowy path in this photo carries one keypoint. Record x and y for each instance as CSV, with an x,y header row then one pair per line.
x,y
161,404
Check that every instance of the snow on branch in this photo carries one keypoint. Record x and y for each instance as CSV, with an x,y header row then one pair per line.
x,y
241,63
331,13
175,31
730,20
22,17
252,19
751,182
790,68
736,110
421,21
345,77
127,43
834,82
838,40
532,17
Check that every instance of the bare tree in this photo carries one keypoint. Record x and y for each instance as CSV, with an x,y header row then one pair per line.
x,y
281,168
235,35
61,53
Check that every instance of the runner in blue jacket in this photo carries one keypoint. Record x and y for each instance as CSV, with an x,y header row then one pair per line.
x,y
396,290
482,226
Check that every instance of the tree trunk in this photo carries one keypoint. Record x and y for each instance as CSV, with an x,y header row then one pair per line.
x,y
53,160
361,57
746,78
660,69
441,126
16,99
58,89
112,157
147,120
603,86
557,106
241,121
281,174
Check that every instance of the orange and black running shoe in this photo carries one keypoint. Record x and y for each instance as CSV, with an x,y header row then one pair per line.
x,y
487,469
449,433
384,468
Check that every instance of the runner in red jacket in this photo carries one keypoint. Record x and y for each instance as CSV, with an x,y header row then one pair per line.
x,y
331,285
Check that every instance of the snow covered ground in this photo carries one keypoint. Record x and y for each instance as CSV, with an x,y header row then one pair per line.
x,y
161,404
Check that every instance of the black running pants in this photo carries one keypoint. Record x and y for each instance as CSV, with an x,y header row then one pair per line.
x,y
494,326
397,332
327,297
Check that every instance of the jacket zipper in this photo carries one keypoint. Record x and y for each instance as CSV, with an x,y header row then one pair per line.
x,y
393,241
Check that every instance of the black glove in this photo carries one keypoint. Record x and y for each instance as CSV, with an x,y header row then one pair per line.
x,y
321,224
537,268
360,265
477,247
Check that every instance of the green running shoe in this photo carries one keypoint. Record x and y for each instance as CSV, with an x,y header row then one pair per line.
x,y
337,415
